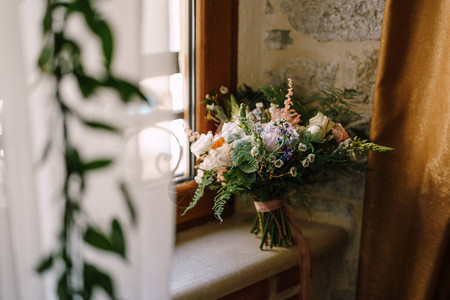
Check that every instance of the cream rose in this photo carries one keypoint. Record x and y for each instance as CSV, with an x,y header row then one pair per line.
x,y
202,144
320,125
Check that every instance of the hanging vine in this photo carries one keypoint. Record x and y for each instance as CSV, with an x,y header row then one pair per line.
x,y
60,60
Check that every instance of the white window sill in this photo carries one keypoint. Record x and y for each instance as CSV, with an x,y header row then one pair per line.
x,y
214,260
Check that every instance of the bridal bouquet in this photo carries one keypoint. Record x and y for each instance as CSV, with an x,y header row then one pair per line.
x,y
268,152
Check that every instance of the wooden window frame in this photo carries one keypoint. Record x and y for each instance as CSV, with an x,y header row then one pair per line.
x,y
216,64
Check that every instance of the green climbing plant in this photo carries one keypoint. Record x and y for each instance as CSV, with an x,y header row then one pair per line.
x,y
60,60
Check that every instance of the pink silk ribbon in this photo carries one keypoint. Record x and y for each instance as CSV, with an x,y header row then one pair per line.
x,y
302,244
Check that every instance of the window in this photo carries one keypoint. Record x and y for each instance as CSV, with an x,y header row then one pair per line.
x,y
192,52
215,65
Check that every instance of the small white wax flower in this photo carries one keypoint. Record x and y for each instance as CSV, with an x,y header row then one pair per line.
x,y
311,157
210,106
345,143
278,163
254,151
302,147
223,90
305,163
259,105
199,177
293,171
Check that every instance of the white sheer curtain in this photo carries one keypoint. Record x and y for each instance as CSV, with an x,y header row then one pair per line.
x,y
29,206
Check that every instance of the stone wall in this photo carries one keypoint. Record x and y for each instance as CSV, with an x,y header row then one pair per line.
x,y
319,44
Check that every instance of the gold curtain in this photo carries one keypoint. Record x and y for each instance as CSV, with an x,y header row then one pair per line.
x,y
405,249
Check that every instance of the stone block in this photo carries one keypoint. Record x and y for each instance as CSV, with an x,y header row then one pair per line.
x,y
268,8
278,39
360,73
309,76
326,20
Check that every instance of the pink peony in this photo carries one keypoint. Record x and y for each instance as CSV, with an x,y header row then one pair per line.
x,y
272,133
339,133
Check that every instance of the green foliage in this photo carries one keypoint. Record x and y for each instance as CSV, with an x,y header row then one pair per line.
x,y
334,104
60,58
241,157
129,202
95,278
113,242
207,180
224,193
363,146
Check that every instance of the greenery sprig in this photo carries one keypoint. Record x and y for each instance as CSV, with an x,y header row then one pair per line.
x,y
60,60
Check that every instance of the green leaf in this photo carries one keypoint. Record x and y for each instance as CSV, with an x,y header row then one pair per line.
x,y
62,289
101,126
73,161
128,202
95,278
97,164
104,32
87,85
45,56
97,239
47,21
114,242
118,238
126,90
45,264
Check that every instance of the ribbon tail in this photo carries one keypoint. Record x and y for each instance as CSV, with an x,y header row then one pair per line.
x,y
305,255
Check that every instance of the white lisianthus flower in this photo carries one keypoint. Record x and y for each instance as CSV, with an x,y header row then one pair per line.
x,y
302,147
311,157
199,177
254,151
305,163
279,163
293,171
202,144
320,125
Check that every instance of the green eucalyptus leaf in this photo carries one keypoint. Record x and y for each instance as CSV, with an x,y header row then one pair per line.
x,y
45,264
246,178
241,152
118,238
101,126
247,167
128,202
97,164
95,278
